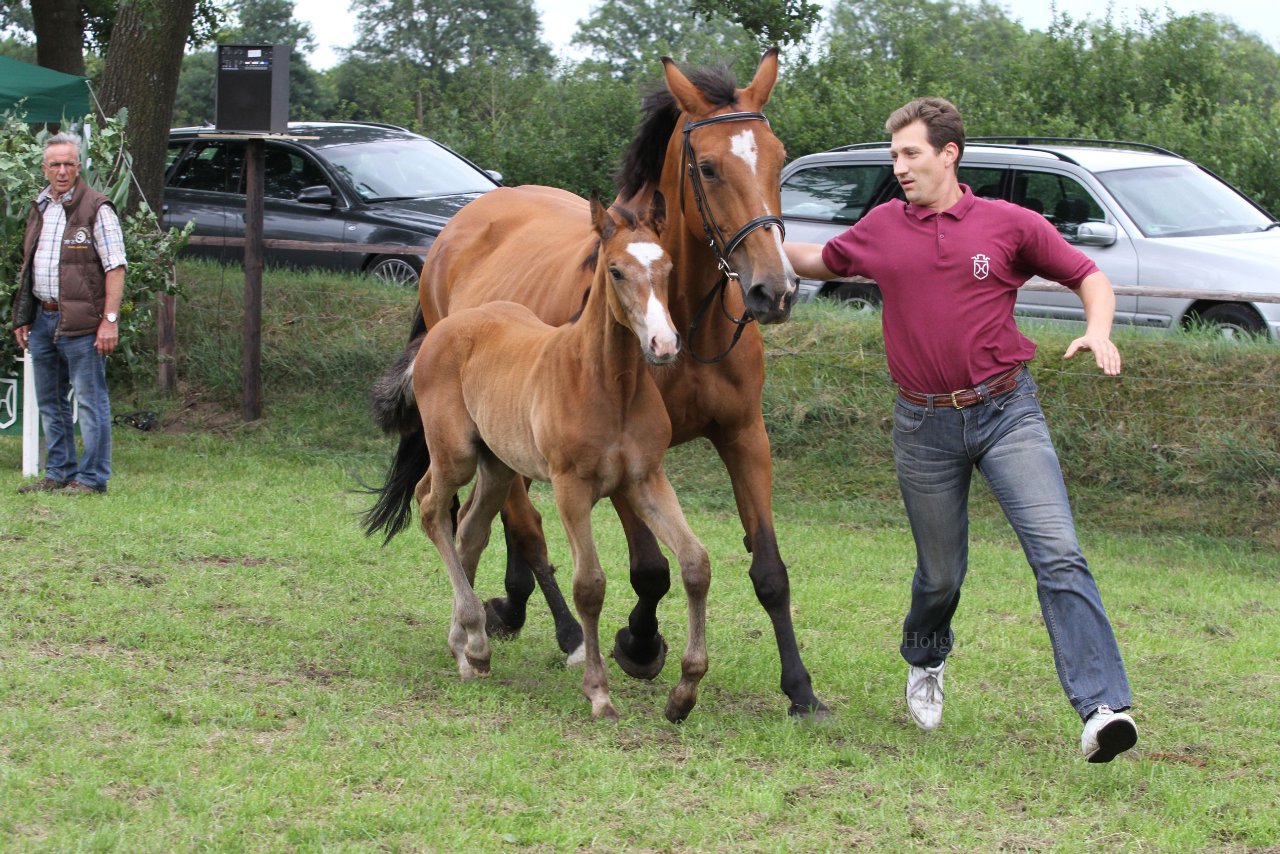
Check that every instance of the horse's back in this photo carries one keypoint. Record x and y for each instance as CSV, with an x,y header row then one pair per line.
x,y
526,244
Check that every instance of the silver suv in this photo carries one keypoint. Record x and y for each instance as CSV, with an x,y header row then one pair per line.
x,y
1150,219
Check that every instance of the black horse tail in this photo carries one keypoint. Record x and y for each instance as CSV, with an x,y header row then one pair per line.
x,y
396,412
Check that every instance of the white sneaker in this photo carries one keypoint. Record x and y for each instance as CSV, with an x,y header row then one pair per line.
x,y
924,695
1107,734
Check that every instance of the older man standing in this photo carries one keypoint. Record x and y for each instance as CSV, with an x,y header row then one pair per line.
x,y
65,313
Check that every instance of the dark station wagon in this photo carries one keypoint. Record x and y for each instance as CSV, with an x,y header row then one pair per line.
x,y
324,182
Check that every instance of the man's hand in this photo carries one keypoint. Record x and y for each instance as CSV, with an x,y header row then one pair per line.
x,y
1105,352
108,337
20,335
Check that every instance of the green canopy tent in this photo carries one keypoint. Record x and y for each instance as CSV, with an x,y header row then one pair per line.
x,y
50,95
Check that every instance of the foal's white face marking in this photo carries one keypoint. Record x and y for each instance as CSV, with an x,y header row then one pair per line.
x,y
744,146
645,253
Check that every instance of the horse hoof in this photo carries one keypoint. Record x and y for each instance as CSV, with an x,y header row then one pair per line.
x,y
633,667
816,713
479,667
494,624
676,712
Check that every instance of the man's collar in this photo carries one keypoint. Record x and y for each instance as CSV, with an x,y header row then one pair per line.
x,y
956,211
49,195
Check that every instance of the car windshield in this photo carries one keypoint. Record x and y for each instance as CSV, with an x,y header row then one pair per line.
x,y
404,169
1182,201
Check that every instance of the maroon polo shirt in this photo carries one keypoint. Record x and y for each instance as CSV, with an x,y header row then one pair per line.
x,y
949,282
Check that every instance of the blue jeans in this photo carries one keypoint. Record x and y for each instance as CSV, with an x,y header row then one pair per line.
x,y
935,449
60,367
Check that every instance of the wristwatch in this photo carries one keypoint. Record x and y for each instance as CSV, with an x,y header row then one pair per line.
x,y
112,317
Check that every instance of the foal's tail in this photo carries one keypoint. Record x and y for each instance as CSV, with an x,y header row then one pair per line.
x,y
396,412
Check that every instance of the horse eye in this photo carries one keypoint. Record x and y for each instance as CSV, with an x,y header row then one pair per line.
x,y
616,273
707,170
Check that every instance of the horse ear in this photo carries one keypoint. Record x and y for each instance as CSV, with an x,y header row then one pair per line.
x,y
598,215
686,94
756,95
658,212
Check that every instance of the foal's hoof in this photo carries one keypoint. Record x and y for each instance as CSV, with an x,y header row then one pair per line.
x,y
495,625
816,713
479,667
677,711
632,661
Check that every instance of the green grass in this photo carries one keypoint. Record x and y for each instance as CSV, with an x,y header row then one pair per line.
x,y
212,657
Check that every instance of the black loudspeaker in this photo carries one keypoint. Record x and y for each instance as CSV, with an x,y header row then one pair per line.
x,y
253,88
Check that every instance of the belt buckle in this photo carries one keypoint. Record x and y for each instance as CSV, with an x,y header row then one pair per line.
x,y
955,402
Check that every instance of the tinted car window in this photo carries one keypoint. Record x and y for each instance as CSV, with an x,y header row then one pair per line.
x,y
286,172
833,193
213,165
1063,200
984,182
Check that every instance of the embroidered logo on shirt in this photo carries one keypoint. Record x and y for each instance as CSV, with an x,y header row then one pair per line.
x,y
981,266
80,236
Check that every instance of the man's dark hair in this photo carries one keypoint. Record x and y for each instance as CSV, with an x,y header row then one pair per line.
x,y
941,120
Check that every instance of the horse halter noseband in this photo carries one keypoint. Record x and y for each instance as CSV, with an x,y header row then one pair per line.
x,y
721,247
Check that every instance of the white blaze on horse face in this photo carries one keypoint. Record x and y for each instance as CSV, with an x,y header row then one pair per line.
x,y
645,253
744,146
663,340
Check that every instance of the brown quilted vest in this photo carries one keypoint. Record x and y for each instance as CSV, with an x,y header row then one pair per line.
x,y
82,284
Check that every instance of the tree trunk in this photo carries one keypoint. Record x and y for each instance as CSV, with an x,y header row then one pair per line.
x,y
141,73
59,29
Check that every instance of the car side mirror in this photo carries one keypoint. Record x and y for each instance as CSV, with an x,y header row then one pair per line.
x,y
494,174
317,195
1096,234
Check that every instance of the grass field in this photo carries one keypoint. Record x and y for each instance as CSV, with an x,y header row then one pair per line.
x,y
212,657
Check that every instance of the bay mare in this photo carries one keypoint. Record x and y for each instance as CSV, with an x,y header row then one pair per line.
x,y
502,394
704,144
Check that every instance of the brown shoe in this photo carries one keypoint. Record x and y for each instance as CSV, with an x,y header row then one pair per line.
x,y
48,484
79,487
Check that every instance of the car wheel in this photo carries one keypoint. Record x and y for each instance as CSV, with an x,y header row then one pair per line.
x,y
860,296
1231,319
395,270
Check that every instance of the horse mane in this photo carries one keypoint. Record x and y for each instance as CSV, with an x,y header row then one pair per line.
x,y
644,158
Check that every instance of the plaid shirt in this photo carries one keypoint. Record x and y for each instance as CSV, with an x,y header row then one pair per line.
x,y
108,239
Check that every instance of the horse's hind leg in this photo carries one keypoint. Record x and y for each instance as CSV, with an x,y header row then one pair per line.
x,y
639,647
526,561
655,502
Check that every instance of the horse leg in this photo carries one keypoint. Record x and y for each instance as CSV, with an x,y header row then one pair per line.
x,y
574,501
527,561
746,456
655,502
467,639
493,478
639,647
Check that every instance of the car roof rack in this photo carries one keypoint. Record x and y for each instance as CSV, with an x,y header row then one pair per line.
x,y
1072,140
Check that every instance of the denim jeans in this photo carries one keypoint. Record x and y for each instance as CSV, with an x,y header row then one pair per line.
x,y
61,366
935,449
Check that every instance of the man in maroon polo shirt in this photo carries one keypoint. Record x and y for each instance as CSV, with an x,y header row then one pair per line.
x,y
949,265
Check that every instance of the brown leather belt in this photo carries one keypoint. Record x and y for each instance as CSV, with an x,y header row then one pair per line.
x,y
49,305
1002,383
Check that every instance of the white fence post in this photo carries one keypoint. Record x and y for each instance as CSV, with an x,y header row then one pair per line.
x,y
30,420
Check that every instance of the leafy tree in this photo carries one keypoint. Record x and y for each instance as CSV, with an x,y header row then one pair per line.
x,y
442,36
771,22
627,38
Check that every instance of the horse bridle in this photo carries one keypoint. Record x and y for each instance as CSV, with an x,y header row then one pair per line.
x,y
720,247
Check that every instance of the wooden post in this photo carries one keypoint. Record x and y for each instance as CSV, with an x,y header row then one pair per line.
x,y
166,340
255,160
